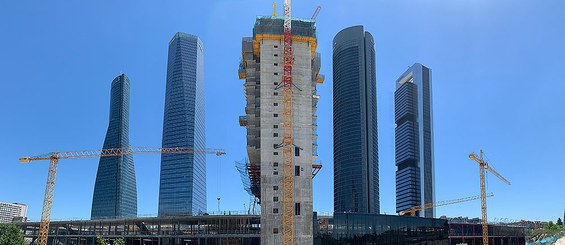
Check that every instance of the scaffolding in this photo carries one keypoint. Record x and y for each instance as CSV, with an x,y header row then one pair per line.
x,y
270,28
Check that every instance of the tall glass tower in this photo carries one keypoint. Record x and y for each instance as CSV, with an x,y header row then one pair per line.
x,y
182,189
115,191
414,145
356,166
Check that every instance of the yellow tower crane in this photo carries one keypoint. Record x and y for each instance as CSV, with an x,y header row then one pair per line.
x,y
54,157
412,211
288,140
483,167
275,9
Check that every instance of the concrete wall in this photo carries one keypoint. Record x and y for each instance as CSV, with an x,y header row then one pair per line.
x,y
302,129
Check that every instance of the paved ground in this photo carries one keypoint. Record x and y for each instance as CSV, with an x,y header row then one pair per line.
x,y
561,241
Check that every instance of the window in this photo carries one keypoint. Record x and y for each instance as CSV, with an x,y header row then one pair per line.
x,y
276,104
296,170
276,73
275,199
275,146
275,230
275,115
276,93
275,164
297,208
296,151
275,210
276,55
276,83
276,46
276,64
275,187
275,153
275,134
275,172
275,126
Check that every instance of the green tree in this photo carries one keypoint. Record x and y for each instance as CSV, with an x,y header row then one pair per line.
x,y
101,240
559,222
10,234
120,241
550,226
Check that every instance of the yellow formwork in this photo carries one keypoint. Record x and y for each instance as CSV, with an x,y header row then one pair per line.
x,y
259,37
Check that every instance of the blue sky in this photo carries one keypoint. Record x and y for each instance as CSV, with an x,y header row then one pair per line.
x,y
497,85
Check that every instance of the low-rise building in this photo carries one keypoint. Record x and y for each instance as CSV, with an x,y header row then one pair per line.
x,y
342,228
472,233
11,211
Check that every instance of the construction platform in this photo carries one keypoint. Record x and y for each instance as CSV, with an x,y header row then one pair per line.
x,y
206,229
341,228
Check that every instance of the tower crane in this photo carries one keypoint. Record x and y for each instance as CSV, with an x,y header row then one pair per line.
x,y
316,13
412,211
54,158
483,167
288,140
275,9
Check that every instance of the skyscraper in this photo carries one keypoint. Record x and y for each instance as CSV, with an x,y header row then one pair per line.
x,y
414,145
356,166
115,191
262,68
182,189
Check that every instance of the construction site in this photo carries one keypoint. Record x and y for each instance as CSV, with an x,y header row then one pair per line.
x,y
280,69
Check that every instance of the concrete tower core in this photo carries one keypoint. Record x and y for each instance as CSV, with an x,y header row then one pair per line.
x,y
262,69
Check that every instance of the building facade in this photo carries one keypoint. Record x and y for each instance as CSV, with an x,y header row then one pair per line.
x,y
262,69
356,167
472,233
187,230
414,145
182,189
357,228
11,211
115,191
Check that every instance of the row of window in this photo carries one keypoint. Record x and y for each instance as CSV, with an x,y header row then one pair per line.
x,y
296,149
296,209
296,171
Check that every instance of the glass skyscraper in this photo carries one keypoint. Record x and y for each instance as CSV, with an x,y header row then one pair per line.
x,y
356,167
182,189
115,191
414,148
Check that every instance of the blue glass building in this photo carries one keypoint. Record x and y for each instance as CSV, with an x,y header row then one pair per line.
x,y
414,147
182,189
115,191
356,168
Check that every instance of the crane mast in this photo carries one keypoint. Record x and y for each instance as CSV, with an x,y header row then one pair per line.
x,y
288,176
483,167
54,157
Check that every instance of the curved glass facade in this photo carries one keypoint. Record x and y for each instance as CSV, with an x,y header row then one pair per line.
x,y
115,191
182,189
356,176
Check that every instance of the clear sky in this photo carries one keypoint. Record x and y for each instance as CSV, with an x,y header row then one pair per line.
x,y
497,74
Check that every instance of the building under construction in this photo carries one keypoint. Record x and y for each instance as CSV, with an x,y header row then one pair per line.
x,y
262,69
186,230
